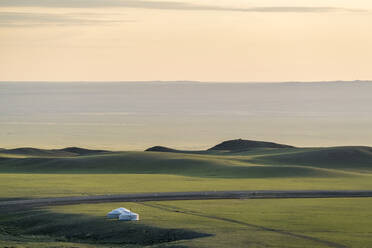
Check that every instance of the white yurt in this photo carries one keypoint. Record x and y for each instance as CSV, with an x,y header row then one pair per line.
x,y
114,214
122,214
129,216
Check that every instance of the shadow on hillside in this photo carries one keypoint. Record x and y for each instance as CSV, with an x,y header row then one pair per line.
x,y
44,226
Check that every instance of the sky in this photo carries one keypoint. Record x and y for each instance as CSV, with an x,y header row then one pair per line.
x,y
219,40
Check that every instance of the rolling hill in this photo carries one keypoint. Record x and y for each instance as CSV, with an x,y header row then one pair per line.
x,y
244,159
232,146
161,149
157,163
65,152
242,145
346,158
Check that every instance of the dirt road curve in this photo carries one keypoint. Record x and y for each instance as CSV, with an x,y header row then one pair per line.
x,y
169,196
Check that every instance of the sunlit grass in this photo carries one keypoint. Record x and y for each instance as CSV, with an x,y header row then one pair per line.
x,y
283,223
50,185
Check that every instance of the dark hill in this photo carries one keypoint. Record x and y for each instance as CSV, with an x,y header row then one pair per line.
x,y
81,151
160,149
241,145
28,151
69,151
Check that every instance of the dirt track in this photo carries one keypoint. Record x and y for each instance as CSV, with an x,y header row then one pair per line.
x,y
168,196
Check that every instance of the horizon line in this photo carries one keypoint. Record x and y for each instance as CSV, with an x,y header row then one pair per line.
x,y
186,81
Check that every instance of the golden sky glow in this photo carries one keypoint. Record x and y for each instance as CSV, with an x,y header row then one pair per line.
x,y
99,40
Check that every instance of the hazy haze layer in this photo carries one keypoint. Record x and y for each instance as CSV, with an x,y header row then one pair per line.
x,y
183,115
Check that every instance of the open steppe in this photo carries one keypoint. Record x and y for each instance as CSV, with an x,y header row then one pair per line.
x,y
29,173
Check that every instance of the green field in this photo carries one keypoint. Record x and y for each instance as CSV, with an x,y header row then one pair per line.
x,y
214,223
48,185
42,173
33,173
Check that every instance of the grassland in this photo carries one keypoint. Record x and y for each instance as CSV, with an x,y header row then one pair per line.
x,y
33,173
289,223
50,185
29,173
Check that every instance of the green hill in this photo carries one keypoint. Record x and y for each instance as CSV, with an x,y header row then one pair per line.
x,y
68,151
161,149
346,158
230,159
195,165
29,151
81,151
232,146
241,145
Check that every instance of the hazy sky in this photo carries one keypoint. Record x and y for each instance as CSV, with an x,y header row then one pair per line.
x,y
219,40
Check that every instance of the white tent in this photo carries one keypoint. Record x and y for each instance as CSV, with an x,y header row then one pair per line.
x,y
129,216
114,214
122,214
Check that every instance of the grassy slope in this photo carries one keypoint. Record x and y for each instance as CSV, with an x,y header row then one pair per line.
x,y
343,221
50,185
197,165
232,223
341,158
42,175
44,227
